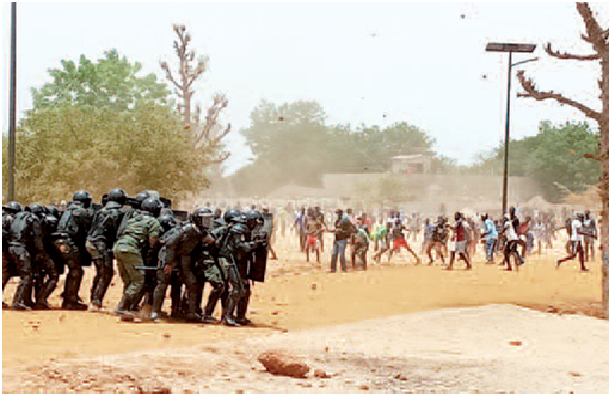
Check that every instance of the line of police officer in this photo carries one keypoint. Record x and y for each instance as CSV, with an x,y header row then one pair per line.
x,y
153,250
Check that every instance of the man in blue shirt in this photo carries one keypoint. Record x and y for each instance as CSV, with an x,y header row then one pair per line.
x,y
490,234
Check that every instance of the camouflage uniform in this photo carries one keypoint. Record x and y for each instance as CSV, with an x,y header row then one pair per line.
x,y
128,252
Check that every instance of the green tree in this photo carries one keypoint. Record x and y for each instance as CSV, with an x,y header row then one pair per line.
x,y
111,82
554,155
289,142
292,144
131,138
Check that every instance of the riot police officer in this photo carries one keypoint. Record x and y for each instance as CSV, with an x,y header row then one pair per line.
x,y
169,229
100,239
21,248
73,228
179,248
207,269
140,232
43,266
246,261
8,267
232,244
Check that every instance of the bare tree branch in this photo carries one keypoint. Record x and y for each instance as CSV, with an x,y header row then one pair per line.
x,y
568,56
596,36
531,91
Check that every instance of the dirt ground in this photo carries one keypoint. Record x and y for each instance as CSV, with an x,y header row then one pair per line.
x,y
299,295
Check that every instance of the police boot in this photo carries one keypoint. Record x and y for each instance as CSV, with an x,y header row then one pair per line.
x,y
242,311
73,304
243,321
227,314
20,295
47,290
158,298
192,315
20,307
229,321
214,296
209,319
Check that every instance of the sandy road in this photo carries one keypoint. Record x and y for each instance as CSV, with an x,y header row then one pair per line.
x,y
299,295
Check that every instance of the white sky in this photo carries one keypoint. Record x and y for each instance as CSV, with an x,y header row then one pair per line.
x,y
416,62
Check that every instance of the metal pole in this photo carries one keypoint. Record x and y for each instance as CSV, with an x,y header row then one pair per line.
x,y
507,137
13,106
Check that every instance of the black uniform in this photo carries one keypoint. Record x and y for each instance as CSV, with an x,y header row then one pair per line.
x,y
9,269
163,279
179,247
100,239
44,266
21,248
73,228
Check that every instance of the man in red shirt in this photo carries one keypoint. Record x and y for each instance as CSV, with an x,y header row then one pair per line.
x,y
460,238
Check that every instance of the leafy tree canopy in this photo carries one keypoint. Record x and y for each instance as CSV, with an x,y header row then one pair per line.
x,y
101,126
554,155
112,81
293,144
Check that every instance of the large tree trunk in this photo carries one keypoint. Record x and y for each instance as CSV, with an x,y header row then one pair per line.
x,y
604,157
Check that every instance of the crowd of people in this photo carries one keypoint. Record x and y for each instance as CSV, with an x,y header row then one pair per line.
x,y
154,247
510,237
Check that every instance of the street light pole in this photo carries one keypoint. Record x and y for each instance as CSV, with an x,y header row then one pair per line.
x,y
505,47
506,149
13,106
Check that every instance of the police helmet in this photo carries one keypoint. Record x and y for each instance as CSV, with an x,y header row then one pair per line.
x,y
37,210
202,218
252,218
84,197
231,215
118,195
141,196
53,211
152,205
13,206
167,222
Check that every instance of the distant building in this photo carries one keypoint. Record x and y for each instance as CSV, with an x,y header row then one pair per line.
x,y
411,165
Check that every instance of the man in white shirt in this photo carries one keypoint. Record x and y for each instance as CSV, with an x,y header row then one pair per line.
x,y
577,249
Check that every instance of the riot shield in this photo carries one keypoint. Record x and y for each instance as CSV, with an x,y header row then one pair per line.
x,y
258,268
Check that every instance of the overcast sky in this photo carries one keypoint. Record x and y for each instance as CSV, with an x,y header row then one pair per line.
x,y
416,62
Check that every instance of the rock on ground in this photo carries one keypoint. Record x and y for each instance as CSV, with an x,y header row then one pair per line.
x,y
281,363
